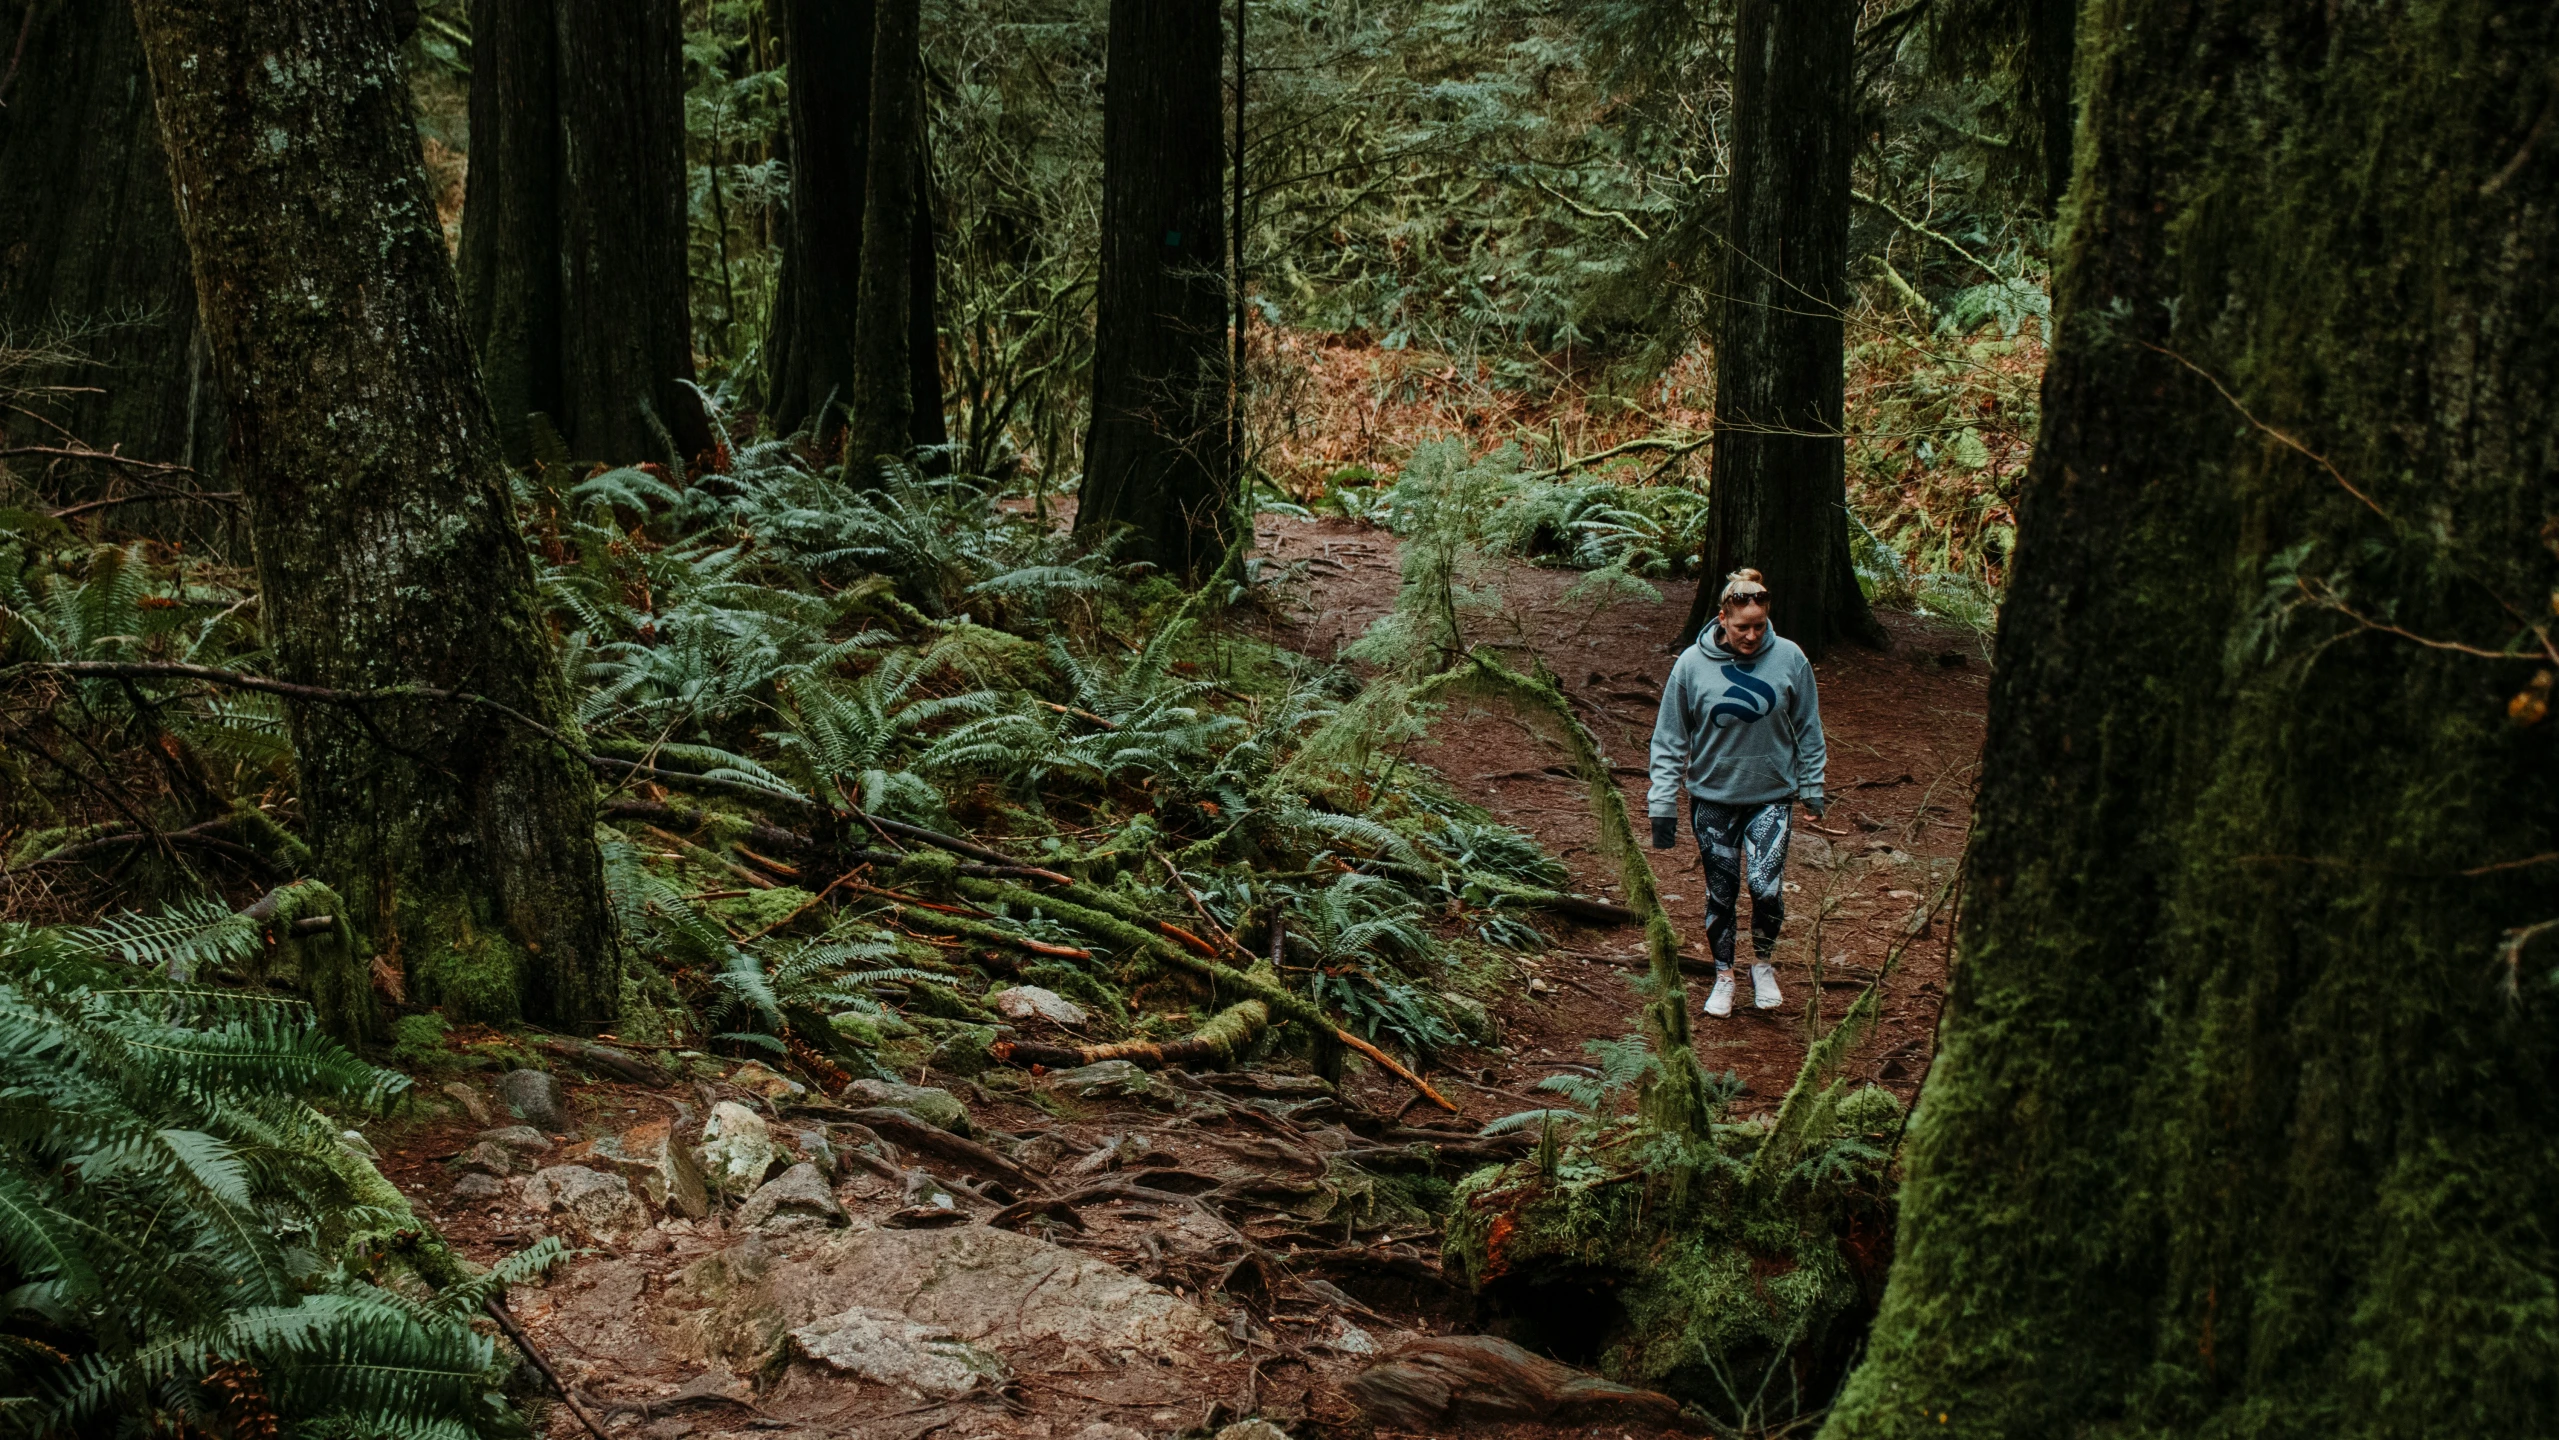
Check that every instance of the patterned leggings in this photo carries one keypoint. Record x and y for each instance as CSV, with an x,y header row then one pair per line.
x,y
1727,835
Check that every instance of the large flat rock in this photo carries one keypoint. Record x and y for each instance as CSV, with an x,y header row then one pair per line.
x,y
992,1288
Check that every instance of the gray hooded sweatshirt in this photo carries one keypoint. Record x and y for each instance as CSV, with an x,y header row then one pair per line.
x,y
1738,730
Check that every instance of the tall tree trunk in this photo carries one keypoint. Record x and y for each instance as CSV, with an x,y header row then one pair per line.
x,y
1779,496
573,234
88,241
387,551
928,428
884,382
2242,1122
2051,55
510,257
808,357
1155,458
626,339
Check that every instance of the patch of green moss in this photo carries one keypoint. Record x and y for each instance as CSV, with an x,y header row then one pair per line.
x,y
1703,1271
757,909
459,963
417,1042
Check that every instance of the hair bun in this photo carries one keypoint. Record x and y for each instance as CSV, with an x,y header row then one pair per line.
x,y
1746,573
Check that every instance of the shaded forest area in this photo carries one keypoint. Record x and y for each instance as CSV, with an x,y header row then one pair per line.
x,y
660,661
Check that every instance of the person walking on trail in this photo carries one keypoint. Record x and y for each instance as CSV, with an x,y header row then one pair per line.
x,y
1740,729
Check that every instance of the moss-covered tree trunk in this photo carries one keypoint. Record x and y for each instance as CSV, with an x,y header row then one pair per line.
x,y
573,233
1155,459
2243,1122
88,242
1779,497
386,548
883,394
808,356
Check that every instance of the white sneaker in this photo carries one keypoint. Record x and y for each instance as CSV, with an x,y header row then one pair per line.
x,y
1720,1003
1763,986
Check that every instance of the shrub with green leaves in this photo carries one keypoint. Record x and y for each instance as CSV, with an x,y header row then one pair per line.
x,y
186,1242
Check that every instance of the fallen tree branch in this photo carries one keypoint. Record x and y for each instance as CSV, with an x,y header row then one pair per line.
x,y
917,1134
1217,1043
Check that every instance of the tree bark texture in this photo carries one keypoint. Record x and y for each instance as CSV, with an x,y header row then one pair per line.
x,y
387,552
809,352
575,264
1155,458
2242,1121
884,381
927,427
1779,496
510,256
89,243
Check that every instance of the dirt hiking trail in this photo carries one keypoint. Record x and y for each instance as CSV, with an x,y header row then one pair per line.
x,y
1115,1254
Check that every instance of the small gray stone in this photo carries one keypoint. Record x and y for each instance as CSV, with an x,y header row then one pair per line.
x,y
797,1199
1030,1002
516,1137
473,1103
1813,850
1114,1080
821,1151
598,1205
933,1107
536,1099
476,1186
1470,1017
1252,1430
886,1348
489,1158
737,1149
1105,1430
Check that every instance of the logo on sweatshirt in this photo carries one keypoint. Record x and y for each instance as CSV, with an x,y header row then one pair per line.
x,y
1745,699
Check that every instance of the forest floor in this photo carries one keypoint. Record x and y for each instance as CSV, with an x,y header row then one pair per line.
x,y
1125,1325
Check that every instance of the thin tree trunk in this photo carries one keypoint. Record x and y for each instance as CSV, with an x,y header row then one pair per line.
x,y
2242,1123
88,240
1779,496
573,233
808,356
884,382
387,552
928,427
1155,458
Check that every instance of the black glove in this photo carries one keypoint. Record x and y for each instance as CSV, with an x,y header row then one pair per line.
x,y
1665,831
1813,805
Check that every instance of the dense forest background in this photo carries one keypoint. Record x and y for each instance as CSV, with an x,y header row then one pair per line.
x,y
729,556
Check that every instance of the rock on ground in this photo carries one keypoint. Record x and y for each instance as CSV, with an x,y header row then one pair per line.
x,y
764,1080
598,1206
886,1348
522,1138
1030,1002
1114,1080
536,1099
974,1282
476,1186
797,1199
1438,1380
488,1157
737,1149
473,1103
933,1107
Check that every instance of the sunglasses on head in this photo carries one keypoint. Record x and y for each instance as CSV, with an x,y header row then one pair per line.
x,y
1744,598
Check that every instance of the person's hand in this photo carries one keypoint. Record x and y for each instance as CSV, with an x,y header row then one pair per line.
x,y
1813,805
1665,831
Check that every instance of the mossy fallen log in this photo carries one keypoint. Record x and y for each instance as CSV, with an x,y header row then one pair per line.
x,y
1218,1043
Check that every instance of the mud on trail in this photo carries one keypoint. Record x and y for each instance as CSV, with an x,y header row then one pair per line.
x,y
1114,1254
